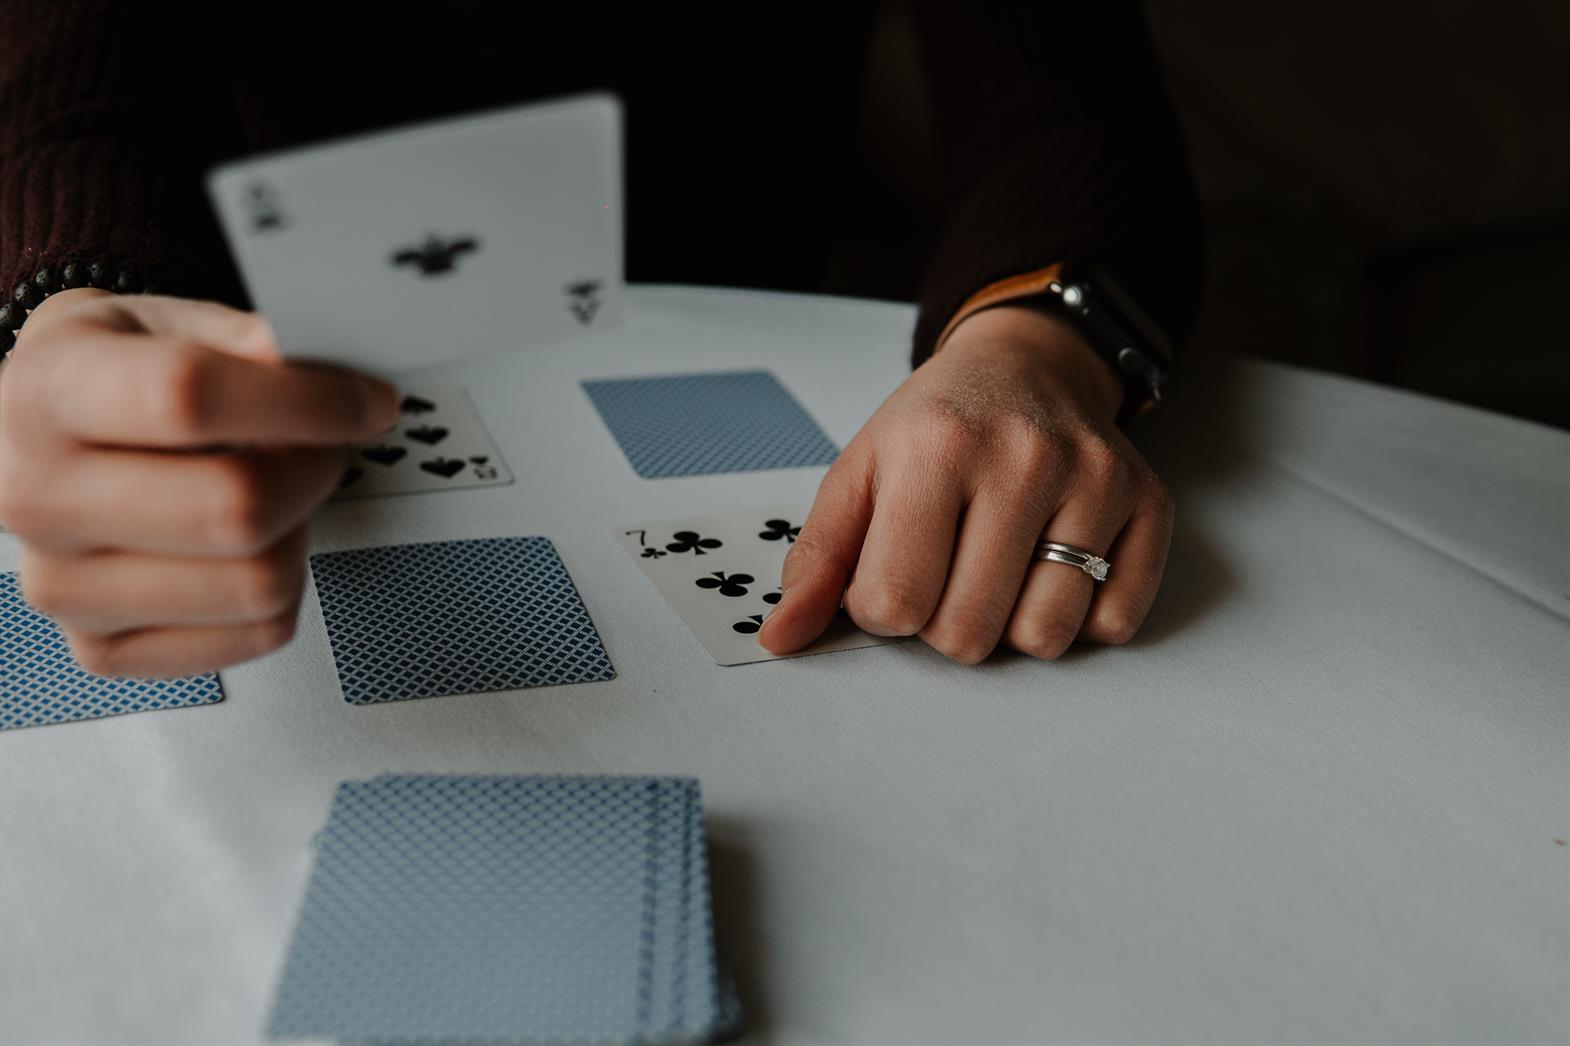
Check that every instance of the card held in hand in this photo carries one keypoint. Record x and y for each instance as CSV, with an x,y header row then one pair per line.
x,y
720,573
482,233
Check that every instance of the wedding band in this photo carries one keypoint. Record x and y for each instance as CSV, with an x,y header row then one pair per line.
x,y
1074,556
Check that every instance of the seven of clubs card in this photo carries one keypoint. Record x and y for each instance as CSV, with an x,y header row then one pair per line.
x,y
721,575
438,444
433,242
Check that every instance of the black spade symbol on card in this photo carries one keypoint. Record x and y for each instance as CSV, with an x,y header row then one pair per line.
x,y
446,468
732,585
428,434
352,474
749,626
478,459
416,405
774,597
383,455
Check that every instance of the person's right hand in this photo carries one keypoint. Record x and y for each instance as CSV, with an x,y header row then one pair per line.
x,y
159,462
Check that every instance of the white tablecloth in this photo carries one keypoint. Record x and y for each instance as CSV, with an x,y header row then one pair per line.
x,y
1317,800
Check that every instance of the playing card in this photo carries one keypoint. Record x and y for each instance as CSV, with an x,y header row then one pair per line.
x,y
436,241
692,424
690,1000
481,909
438,444
455,617
40,682
721,574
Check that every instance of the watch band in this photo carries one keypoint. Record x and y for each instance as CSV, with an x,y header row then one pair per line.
x,y
1114,325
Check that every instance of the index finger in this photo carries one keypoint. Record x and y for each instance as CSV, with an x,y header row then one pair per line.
x,y
159,391
825,553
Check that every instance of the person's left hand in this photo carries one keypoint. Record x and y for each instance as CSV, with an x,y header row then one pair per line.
x,y
927,522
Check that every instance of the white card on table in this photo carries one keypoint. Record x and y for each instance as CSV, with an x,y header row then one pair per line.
x,y
446,239
721,574
438,444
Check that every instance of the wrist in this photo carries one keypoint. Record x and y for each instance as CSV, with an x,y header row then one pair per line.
x,y
1052,349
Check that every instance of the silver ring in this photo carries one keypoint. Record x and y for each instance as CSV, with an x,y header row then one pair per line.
x,y
1074,556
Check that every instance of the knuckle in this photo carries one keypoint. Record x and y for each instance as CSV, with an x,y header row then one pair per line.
x,y
44,589
808,549
943,434
1037,453
95,654
1160,495
270,635
23,507
1114,625
239,513
887,609
186,401
269,586
1102,460
1046,637
968,646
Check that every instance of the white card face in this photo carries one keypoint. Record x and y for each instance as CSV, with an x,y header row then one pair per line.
x,y
439,241
721,574
438,444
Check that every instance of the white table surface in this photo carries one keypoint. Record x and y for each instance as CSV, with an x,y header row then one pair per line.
x,y
1316,801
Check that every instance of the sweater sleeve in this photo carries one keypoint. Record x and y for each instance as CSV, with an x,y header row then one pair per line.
x,y
109,114
1056,144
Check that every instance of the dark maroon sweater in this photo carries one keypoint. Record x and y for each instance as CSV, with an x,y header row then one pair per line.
x,y
1054,140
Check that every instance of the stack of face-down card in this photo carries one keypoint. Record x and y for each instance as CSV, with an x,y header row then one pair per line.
x,y
447,909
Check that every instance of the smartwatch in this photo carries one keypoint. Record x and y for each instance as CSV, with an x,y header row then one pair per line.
x,y
1117,329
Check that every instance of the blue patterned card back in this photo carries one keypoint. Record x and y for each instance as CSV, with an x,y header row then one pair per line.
x,y
455,617
695,424
479,909
40,682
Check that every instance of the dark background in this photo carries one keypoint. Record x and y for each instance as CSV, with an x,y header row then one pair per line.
x,y
1387,186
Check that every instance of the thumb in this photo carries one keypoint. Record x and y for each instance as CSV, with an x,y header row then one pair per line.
x,y
820,562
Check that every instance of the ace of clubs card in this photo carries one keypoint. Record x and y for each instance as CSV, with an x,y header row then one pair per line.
x,y
434,242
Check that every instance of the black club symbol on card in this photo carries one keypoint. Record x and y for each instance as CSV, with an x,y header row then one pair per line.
x,y
732,585
416,405
436,255
649,552
750,626
446,468
778,528
428,434
690,541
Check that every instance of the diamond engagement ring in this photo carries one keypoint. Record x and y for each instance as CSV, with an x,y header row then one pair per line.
x,y
1074,556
